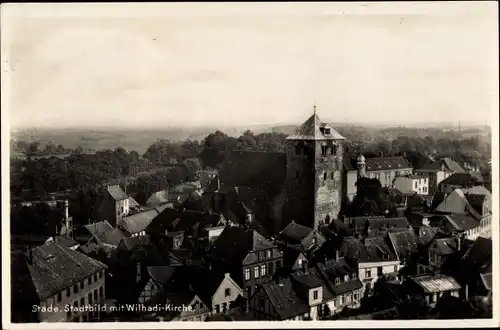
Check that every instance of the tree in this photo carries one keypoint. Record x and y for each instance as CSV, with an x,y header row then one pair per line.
x,y
193,166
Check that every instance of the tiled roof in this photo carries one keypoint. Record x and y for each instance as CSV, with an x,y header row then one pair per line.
x,y
446,246
457,202
105,233
386,163
64,241
385,223
438,283
55,268
476,201
158,198
448,164
132,203
427,234
460,179
178,220
252,168
309,279
138,222
462,222
404,243
377,247
479,254
117,193
234,243
312,129
284,299
295,232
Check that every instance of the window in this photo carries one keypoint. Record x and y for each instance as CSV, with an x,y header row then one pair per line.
x,y
278,265
337,280
327,131
68,292
396,268
227,292
89,281
416,184
82,285
256,272
368,273
380,271
75,304
343,299
247,274
315,294
263,270
101,292
346,278
95,277
323,150
314,240
82,301
354,276
299,262
68,314
268,252
95,295
90,298
217,309
75,288
101,273
297,150
59,297
325,175
270,268
332,175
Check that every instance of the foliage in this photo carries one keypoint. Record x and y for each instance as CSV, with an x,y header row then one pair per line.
x,y
370,200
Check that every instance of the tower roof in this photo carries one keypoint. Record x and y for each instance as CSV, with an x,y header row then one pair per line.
x,y
314,129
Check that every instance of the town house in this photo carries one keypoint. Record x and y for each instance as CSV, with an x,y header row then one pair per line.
x,y
52,275
431,287
438,171
113,205
250,258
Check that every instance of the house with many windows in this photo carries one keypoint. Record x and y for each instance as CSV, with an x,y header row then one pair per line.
x,y
247,256
52,275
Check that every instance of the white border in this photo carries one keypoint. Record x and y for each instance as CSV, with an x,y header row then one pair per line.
x,y
17,10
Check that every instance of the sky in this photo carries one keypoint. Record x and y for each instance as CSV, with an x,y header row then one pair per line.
x,y
158,65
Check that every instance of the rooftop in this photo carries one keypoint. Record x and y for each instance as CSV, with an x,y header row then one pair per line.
x,y
314,129
295,232
437,283
138,222
117,193
55,268
284,299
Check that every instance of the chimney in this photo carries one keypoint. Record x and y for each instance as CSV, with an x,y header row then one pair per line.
x,y
218,182
226,275
66,210
337,255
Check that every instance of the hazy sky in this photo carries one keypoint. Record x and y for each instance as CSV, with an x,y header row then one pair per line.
x,y
160,64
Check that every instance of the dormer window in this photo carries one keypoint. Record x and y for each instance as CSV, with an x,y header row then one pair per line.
x,y
337,280
327,131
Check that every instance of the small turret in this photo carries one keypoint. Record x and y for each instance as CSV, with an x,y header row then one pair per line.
x,y
361,165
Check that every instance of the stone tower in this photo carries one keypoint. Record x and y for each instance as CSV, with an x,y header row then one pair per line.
x,y
314,173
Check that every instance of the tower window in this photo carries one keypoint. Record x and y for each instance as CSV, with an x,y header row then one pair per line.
x,y
327,131
325,175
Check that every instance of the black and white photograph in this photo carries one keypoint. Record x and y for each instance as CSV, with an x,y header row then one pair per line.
x,y
180,164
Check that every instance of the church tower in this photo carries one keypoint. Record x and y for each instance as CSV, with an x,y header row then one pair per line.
x,y
314,173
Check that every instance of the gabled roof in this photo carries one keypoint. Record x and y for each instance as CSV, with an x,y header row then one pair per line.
x,y
294,232
138,222
55,268
312,129
284,299
479,254
178,220
387,163
404,243
457,202
157,198
446,246
117,193
427,234
462,222
386,223
446,162
132,203
377,247
105,233
460,179
234,243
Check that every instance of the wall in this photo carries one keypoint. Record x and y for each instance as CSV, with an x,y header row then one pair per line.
x,y
220,298
260,306
251,261
448,188
386,177
66,301
350,184
328,192
387,267
198,314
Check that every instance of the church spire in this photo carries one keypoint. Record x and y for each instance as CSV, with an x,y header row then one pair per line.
x,y
314,109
